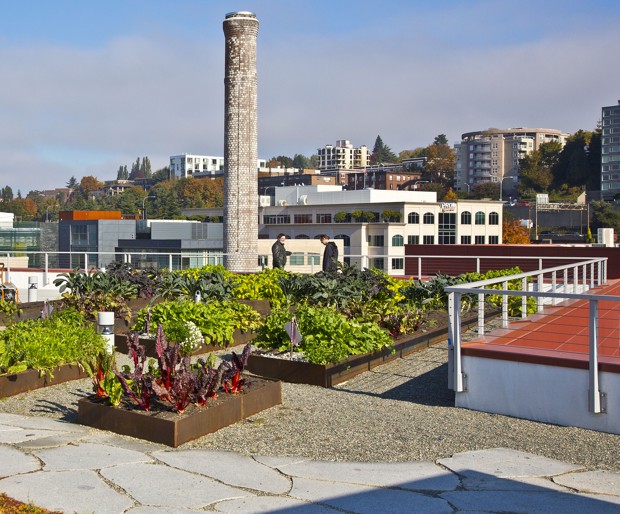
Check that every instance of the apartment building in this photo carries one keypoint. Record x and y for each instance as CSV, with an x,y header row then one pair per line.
x,y
189,165
493,155
610,151
343,156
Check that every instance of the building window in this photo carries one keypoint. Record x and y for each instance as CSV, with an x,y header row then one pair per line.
x,y
413,218
413,240
447,228
276,219
465,240
296,259
375,240
479,240
429,218
466,218
493,240
346,240
377,263
428,240
302,218
314,259
302,236
323,218
480,218
398,240
493,218
398,263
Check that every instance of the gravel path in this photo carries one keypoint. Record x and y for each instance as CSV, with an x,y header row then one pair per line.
x,y
400,411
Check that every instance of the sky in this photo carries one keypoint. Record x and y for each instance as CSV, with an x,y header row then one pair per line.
x,y
88,86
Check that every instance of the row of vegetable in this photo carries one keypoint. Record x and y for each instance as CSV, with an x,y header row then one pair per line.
x,y
342,313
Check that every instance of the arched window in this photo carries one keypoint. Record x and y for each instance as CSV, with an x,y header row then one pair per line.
x,y
413,218
466,218
480,218
302,236
398,240
493,218
346,240
429,218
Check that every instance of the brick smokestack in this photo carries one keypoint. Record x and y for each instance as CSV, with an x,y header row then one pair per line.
x,y
240,144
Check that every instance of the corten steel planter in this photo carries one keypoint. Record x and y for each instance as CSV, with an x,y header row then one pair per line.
x,y
172,429
30,379
328,375
120,342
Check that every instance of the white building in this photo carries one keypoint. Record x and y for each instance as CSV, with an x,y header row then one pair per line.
x,y
493,155
373,225
189,165
343,156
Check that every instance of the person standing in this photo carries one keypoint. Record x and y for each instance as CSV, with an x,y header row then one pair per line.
x,y
330,255
279,253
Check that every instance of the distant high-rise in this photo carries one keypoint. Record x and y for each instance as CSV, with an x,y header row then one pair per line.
x,y
240,143
610,151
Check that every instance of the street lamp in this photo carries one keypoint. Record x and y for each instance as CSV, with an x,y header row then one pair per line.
x,y
501,186
143,207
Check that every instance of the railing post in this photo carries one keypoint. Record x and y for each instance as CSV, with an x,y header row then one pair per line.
x,y
451,333
596,399
505,305
575,279
46,270
554,285
480,314
539,286
458,377
477,264
524,298
419,268
170,262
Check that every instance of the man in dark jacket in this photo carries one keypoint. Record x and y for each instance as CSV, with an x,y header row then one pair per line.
x,y
330,255
279,253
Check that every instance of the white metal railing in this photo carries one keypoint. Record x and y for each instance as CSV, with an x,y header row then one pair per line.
x,y
548,287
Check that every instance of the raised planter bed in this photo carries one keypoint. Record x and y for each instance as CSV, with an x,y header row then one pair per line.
x,y
16,383
120,341
328,375
172,429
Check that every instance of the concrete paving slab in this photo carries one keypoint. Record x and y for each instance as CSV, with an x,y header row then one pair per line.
x,y
129,443
363,499
66,491
599,482
228,467
88,456
415,476
14,462
21,435
264,504
52,441
276,462
163,510
487,483
503,462
155,484
529,502
43,423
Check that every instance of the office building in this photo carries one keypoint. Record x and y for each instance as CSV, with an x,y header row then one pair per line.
x,y
610,151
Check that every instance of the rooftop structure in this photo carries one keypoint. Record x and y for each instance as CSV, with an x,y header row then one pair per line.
x,y
343,156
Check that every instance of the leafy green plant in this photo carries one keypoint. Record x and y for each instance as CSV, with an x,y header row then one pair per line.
x,y
217,321
328,336
63,338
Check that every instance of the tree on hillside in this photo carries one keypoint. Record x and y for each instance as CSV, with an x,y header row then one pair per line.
x,y
604,215
441,139
440,163
161,174
136,171
381,153
122,173
300,162
89,184
536,170
513,233
280,160
145,168
485,190
410,154
6,195
72,183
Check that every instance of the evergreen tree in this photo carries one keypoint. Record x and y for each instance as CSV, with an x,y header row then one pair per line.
x,y
72,183
382,153
7,194
441,139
